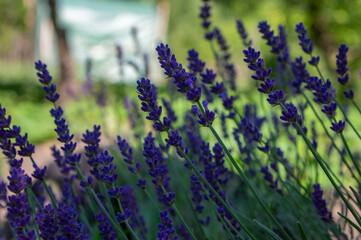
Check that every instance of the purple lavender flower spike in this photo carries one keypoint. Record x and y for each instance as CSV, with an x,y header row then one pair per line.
x,y
206,120
243,34
348,94
341,63
330,109
305,42
291,114
269,178
208,76
47,222
46,79
166,230
320,204
338,127
195,64
106,231
276,98
267,86
148,96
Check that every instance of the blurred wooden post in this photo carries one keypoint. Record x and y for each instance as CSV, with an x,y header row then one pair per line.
x,y
67,85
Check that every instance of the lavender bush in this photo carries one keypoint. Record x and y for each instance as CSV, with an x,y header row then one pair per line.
x,y
226,169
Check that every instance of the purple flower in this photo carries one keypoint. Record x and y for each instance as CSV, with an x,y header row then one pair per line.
x,y
106,231
148,96
300,73
291,114
185,82
69,226
338,127
208,76
267,86
195,64
170,113
46,79
320,204
330,109
314,61
166,230
205,15
269,178
276,98
348,94
207,119
341,63
243,34
305,42
47,222
129,202
157,169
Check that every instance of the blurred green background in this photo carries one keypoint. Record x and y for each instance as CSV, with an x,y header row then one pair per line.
x,y
329,23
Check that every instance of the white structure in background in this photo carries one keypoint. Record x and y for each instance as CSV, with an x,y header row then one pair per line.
x,y
94,28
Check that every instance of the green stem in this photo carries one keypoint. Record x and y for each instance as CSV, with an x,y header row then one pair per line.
x,y
94,196
126,222
320,162
248,183
32,209
46,187
339,105
332,140
209,186
244,177
180,216
351,155
356,106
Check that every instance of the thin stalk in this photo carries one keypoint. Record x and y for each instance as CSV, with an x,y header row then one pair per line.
x,y
94,196
350,153
180,216
186,196
225,225
32,209
356,106
52,198
245,179
320,162
126,222
209,186
339,105
331,138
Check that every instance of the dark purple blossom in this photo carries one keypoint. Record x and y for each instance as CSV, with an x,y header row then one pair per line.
x,y
348,94
338,127
46,80
269,178
291,115
305,42
243,34
47,223
320,203
166,230
341,63
330,109
207,119
267,86
276,98
300,73
195,64
208,76
106,230
170,113
148,96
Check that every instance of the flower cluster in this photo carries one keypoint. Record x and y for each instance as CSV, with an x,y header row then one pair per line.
x,y
320,203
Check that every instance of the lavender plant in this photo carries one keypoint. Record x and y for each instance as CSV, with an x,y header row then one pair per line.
x,y
182,180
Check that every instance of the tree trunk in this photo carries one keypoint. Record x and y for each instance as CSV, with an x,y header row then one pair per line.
x,y
67,85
